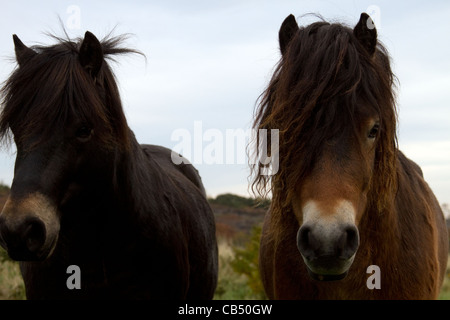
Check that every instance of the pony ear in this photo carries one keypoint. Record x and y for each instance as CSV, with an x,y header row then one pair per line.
x,y
23,53
366,33
91,54
287,31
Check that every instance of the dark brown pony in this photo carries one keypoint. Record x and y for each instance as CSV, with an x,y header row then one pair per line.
x,y
85,193
347,205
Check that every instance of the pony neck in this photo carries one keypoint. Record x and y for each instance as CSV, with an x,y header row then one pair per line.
x,y
138,183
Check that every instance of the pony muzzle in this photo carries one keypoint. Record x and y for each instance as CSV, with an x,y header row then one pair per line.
x,y
328,244
29,228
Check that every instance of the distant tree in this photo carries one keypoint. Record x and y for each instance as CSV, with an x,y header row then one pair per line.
x,y
235,201
3,187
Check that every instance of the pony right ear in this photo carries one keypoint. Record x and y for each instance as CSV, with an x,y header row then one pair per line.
x,y
91,54
288,29
23,53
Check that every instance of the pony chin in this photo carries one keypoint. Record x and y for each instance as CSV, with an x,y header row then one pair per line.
x,y
43,254
48,249
326,277
328,274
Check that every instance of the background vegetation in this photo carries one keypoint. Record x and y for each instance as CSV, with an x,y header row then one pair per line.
x,y
11,283
235,201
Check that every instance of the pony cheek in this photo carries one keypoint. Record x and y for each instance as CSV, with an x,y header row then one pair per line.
x,y
361,208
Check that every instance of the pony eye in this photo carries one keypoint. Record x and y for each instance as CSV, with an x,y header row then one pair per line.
x,y
374,131
83,133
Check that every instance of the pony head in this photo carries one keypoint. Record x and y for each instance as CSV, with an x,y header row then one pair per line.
x,y
63,109
331,98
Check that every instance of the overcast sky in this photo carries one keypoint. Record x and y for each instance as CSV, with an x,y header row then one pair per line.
x,y
208,61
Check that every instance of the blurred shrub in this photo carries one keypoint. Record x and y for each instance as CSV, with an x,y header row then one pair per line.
x,y
11,283
246,263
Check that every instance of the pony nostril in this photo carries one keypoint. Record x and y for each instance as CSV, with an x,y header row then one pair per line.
x,y
306,242
23,239
34,234
348,242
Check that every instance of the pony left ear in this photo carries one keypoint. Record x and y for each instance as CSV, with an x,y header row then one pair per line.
x,y
366,33
288,29
23,53
91,54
